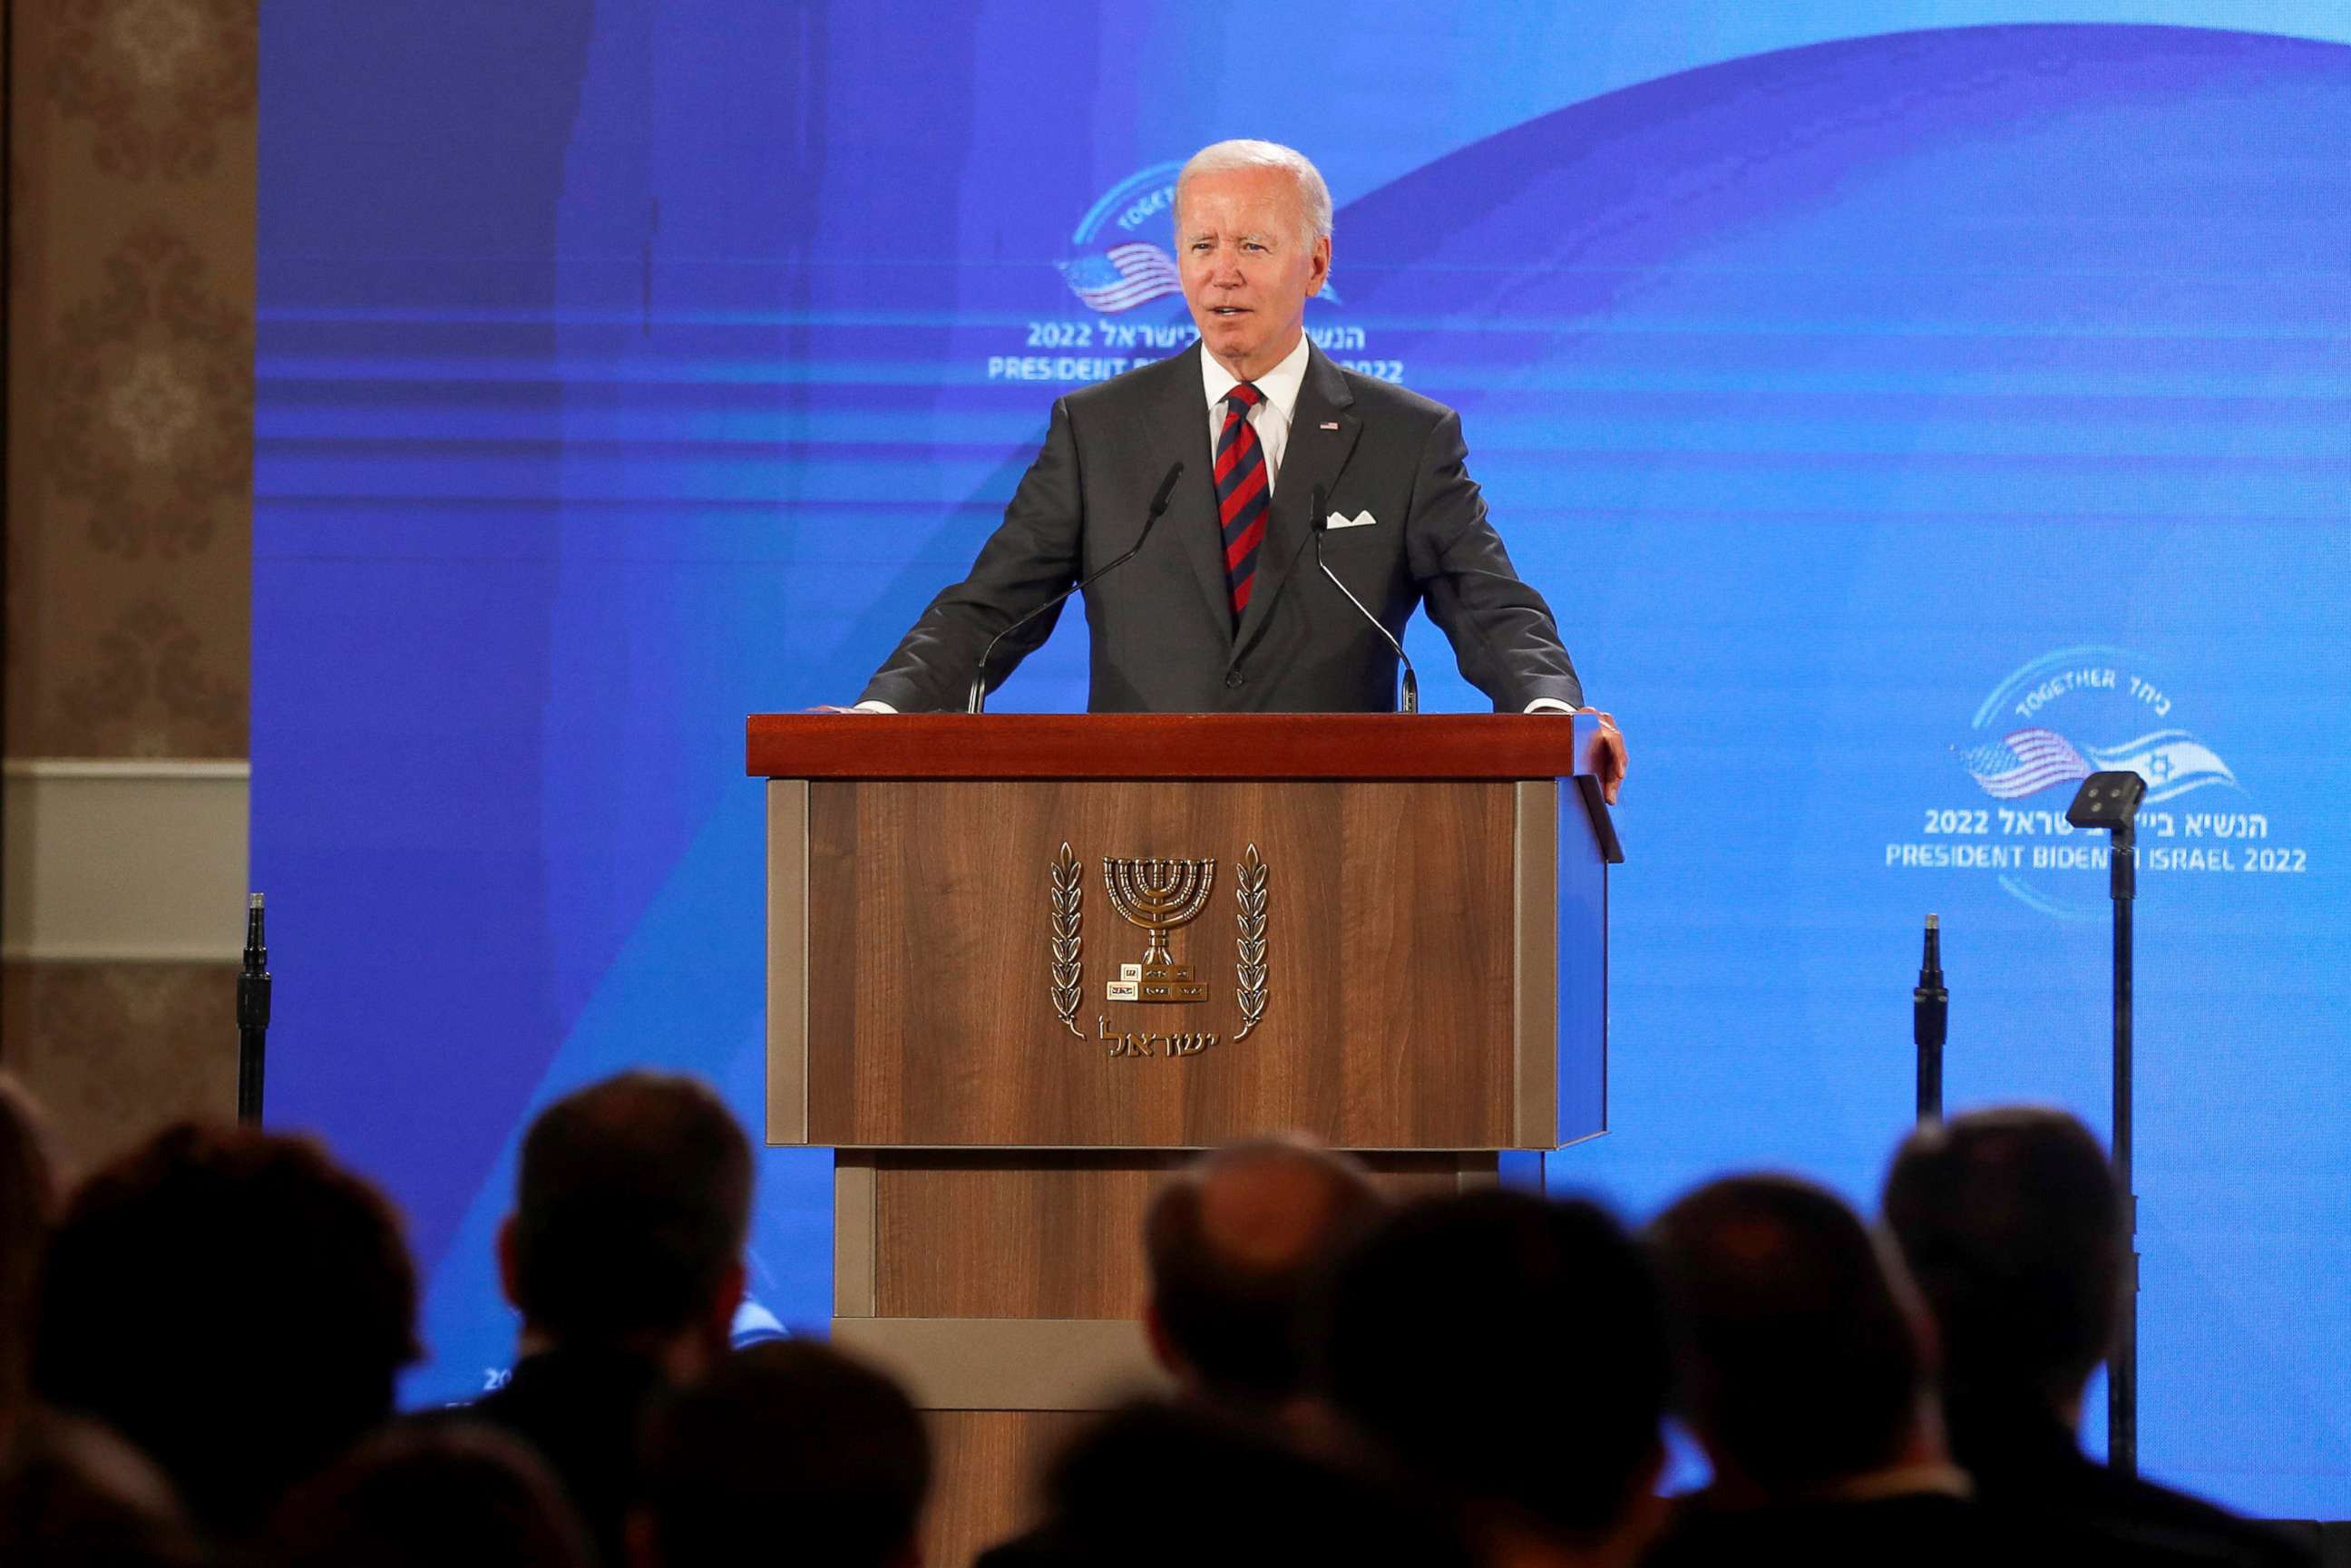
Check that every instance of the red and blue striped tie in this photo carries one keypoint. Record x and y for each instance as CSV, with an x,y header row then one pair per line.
x,y
1241,490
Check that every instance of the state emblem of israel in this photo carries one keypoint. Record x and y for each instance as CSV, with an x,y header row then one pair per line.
x,y
1159,896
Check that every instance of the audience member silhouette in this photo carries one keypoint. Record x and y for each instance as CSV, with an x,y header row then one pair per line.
x,y
74,1495
625,1255
1478,1378
1507,1352
1182,1484
2011,1222
788,1450
27,1209
235,1303
433,1494
1234,1243
1803,1374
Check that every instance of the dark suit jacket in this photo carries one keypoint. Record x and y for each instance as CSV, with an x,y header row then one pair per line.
x,y
581,1410
2029,1470
1163,638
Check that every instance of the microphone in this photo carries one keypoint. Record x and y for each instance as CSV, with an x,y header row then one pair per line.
x,y
977,702
1321,525
1930,1007
252,1015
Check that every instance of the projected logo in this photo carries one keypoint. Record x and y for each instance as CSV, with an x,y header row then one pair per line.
x,y
1116,264
1113,268
2052,723
2027,762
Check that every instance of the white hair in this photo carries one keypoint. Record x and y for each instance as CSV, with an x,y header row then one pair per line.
x,y
1230,157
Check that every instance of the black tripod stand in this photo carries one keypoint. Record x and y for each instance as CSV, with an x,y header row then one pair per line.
x,y
2111,800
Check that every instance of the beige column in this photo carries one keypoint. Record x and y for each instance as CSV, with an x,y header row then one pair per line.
x,y
130,310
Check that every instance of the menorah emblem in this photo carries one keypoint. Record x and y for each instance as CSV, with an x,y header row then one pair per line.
x,y
1158,895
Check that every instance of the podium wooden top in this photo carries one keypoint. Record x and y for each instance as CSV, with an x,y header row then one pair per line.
x,y
1169,746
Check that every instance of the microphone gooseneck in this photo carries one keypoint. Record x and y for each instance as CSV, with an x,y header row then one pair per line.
x,y
978,700
1319,524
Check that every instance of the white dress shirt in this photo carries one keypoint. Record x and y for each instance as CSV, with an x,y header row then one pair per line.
x,y
1272,416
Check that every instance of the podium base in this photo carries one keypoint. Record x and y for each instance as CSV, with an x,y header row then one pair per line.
x,y
1004,1290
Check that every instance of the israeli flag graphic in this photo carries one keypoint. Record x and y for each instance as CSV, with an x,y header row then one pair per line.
x,y
2172,762
2028,761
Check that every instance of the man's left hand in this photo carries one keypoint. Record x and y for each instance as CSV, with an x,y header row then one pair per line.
x,y
1607,758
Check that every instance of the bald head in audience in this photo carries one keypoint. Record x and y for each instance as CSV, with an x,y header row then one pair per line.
x,y
1235,1243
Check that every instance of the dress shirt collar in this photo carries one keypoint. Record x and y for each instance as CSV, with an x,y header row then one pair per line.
x,y
1280,385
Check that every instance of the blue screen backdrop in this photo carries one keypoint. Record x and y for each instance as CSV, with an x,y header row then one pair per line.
x,y
1905,408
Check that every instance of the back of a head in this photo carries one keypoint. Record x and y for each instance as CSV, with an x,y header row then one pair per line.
x,y
2010,1222
27,1209
74,1495
433,1494
1159,1485
1801,1365
1455,1317
785,1438
235,1303
632,1204
1236,1243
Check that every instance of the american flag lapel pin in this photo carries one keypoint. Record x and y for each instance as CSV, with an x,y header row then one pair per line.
x,y
1330,425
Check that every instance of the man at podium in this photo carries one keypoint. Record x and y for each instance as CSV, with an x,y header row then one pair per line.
x,y
1302,511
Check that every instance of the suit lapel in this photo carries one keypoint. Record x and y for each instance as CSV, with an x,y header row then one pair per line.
x,y
1311,461
1176,430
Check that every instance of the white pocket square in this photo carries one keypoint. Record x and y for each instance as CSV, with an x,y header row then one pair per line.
x,y
1360,520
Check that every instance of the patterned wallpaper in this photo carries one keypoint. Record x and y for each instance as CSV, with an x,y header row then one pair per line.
x,y
115,1050
130,377
130,459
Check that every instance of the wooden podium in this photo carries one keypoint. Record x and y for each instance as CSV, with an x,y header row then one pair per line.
x,y
1018,964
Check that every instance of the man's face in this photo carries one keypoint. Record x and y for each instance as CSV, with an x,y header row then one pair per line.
x,y
1250,260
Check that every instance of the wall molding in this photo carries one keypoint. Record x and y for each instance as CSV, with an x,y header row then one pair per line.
x,y
123,860
119,767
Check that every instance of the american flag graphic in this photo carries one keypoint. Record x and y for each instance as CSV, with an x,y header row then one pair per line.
x,y
2027,762
1124,278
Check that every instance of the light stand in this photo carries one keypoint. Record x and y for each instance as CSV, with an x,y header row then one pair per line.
x,y
2111,800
